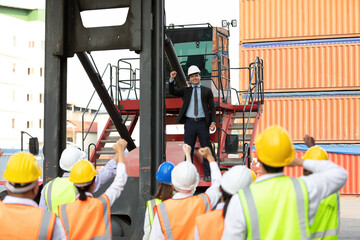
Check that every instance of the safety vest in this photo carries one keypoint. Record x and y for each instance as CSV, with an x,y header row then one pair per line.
x,y
59,191
326,221
276,208
25,222
89,219
210,225
150,206
177,216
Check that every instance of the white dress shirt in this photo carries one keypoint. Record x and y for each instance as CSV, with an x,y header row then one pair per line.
x,y
327,178
213,193
105,173
58,232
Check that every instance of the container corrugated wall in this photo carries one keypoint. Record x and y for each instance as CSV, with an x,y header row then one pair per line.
x,y
279,20
350,162
305,67
328,119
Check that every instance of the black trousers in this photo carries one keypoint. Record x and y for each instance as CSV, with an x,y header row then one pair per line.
x,y
198,129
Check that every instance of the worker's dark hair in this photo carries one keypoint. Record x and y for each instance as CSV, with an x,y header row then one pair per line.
x,y
165,191
226,197
272,169
82,190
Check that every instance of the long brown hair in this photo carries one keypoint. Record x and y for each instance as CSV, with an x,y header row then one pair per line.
x,y
165,191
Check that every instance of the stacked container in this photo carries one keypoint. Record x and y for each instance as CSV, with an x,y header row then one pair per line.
x,y
311,53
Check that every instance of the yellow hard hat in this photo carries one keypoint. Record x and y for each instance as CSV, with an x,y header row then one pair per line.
x,y
316,153
82,172
22,167
253,175
274,147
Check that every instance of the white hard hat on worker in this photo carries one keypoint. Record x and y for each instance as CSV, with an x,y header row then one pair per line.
x,y
70,156
194,75
193,69
185,177
236,178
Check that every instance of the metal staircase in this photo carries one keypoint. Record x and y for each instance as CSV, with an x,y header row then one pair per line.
x,y
239,119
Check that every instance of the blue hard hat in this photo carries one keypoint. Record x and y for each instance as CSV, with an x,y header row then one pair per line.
x,y
163,174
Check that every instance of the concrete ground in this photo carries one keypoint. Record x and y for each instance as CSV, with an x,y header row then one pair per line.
x,y
350,218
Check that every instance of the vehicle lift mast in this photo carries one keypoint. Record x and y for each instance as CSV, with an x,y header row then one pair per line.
x,y
142,32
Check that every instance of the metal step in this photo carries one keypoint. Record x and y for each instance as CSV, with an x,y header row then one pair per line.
x,y
247,137
110,152
239,150
246,114
231,162
101,162
239,126
110,140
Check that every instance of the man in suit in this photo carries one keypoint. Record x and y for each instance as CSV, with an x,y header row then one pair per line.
x,y
197,113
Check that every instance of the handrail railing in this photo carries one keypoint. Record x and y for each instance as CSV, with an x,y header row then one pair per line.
x,y
256,94
87,106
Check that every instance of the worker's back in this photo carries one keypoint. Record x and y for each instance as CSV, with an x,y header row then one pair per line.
x,y
276,208
180,214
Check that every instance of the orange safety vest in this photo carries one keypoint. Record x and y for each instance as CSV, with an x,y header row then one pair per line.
x,y
177,216
25,222
88,219
210,225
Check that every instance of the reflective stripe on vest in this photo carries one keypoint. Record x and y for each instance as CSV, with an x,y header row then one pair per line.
x,y
59,191
44,226
65,220
327,219
150,206
251,204
206,201
172,221
166,220
37,224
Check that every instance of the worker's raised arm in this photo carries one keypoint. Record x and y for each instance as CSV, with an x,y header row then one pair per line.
x,y
172,89
115,189
213,192
326,178
119,148
187,151
206,153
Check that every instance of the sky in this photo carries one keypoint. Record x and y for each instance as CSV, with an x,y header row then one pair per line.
x,y
177,12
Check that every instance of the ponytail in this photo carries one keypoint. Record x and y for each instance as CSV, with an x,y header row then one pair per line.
x,y
82,190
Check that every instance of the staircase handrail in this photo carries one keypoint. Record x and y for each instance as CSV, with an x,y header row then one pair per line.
x,y
87,106
255,88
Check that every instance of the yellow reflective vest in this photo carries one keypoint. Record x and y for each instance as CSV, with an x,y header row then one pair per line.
x,y
276,208
327,217
59,191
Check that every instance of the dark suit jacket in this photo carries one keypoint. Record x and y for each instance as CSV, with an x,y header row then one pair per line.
x,y
207,100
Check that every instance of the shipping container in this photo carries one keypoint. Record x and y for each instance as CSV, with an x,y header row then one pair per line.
x,y
279,20
334,119
350,162
316,65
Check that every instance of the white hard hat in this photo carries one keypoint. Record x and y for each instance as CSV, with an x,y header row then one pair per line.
x,y
70,156
193,69
236,178
185,176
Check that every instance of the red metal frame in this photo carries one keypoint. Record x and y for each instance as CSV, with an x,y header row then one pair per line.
x,y
103,135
